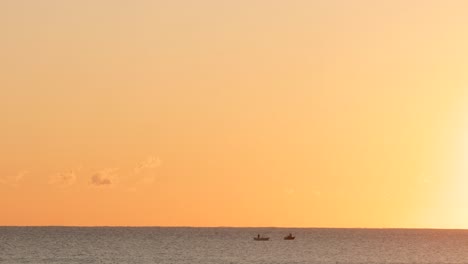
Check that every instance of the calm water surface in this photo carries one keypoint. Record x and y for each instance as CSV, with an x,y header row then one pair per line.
x,y
230,245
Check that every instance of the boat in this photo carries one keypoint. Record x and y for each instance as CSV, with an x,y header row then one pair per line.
x,y
261,238
289,237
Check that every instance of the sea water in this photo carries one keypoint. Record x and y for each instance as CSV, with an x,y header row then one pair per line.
x,y
230,245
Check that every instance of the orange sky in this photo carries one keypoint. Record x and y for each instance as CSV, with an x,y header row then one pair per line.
x,y
234,113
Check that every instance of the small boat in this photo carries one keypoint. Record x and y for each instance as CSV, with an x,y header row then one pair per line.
x,y
289,237
261,238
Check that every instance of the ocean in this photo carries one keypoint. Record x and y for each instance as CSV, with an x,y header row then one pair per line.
x,y
177,245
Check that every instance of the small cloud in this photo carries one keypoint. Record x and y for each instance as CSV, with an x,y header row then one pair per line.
x,y
105,177
150,162
100,179
14,180
63,178
144,173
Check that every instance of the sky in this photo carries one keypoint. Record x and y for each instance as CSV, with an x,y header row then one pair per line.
x,y
234,113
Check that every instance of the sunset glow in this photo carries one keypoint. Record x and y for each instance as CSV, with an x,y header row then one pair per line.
x,y
234,113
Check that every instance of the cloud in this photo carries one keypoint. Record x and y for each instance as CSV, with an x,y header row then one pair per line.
x,y
63,178
105,177
14,180
150,162
144,173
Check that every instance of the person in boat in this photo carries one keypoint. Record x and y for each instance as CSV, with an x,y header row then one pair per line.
x,y
258,236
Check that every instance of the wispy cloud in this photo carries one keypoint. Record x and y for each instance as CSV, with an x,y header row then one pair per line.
x,y
105,177
144,173
150,162
63,178
14,180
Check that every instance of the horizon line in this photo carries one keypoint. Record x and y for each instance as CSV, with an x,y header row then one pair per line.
x,y
246,227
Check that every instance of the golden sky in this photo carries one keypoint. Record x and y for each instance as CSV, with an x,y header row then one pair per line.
x,y
234,113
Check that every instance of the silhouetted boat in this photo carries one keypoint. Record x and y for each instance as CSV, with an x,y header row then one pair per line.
x,y
261,238
289,237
